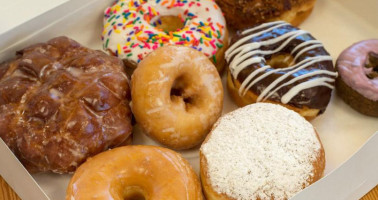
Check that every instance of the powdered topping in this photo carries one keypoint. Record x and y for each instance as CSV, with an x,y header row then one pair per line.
x,y
130,27
261,151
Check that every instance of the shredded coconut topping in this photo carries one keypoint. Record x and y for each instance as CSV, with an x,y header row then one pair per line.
x,y
261,151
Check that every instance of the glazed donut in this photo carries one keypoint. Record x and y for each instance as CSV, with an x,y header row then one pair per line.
x,y
357,84
247,13
61,103
260,151
135,172
278,63
176,98
132,29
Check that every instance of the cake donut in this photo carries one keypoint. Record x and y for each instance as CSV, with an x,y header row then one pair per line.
x,y
278,63
135,172
133,29
177,98
262,151
61,102
357,84
244,14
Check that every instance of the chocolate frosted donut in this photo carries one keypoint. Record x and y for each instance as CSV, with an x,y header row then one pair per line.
x,y
61,103
246,13
278,63
357,84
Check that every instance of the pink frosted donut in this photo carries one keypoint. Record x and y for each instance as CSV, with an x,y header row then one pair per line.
x,y
357,84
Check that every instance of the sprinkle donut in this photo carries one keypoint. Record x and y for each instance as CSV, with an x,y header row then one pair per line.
x,y
278,63
134,28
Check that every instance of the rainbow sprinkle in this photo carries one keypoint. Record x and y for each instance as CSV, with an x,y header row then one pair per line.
x,y
130,27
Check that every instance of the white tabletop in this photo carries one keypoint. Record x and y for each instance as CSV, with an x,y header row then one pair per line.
x,y
15,12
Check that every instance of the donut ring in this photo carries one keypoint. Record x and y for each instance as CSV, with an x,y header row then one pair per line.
x,y
243,14
133,29
176,98
260,151
135,172
357,84
61,103
278,63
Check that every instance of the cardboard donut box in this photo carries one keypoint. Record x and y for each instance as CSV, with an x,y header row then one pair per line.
x,y
337,23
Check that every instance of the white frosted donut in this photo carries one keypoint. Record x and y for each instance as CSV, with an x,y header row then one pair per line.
x,y
130,28
261,151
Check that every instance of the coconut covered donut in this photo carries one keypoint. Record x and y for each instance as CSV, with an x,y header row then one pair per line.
x,y
177,98
133,29
278,63
246,13
135,172
260,152
357,84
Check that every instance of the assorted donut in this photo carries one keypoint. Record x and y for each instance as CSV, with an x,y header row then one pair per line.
x,y
135,172
260,151
357,83
133,28
242,14
66,108
61,103
176,98
278,63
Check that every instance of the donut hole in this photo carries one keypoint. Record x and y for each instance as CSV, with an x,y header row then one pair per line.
x,y
133,193
169,23
372,63
280,60
179,93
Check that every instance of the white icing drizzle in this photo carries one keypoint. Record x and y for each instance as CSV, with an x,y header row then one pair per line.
x,y
298,78
309,62
232,51
305,50
261,26
305,43
251,46
242,63
241,55
309,84
247,61
251,76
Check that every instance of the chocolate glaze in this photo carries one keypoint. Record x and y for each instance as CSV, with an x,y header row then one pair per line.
x,y
245,13
315,97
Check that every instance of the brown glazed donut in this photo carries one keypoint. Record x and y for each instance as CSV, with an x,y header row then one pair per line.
x,y
61,102
278,63
246,13
177,96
